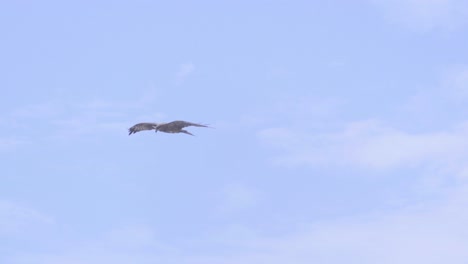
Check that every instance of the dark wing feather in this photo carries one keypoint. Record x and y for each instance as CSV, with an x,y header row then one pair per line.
x,y
140,127
178,125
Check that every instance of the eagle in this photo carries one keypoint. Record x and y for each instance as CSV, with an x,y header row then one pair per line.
x,y
171,127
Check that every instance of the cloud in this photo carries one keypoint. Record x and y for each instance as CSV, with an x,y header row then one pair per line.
x,y
237,197
11,143
185,70
292,111
455,83
369,144
16,218
418,233
440,104
54,120
431,232
128,244
33,111
425,15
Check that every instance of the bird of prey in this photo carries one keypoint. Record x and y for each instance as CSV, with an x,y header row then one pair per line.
x,y
171,127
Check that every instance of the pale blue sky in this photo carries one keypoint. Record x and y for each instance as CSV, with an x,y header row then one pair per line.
x,y
340,132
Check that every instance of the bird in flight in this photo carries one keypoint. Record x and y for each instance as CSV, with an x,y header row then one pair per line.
x,y
171,127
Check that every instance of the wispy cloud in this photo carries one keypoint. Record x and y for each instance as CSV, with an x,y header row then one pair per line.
x,y
125,245
455,83
313,134
15,218
408,235
185,70
55,119
368,143
425,15
11,143
430,232
39,110
291,111
237,197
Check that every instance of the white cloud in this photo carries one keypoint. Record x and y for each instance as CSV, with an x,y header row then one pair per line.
x,y
16,218
130,244
425,233
433,233
455,83
185,70
425,15
369,144
291,111
237,197
440,104
61,120
36,111
11,143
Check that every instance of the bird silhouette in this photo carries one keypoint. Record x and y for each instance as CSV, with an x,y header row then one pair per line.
x,y
171,127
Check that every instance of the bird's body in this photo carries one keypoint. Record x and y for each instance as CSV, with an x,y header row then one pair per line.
x,y
171,127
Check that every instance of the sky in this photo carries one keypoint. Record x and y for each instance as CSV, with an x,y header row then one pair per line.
x,y
339,132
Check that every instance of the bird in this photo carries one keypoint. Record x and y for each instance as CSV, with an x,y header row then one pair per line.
x,y
171,127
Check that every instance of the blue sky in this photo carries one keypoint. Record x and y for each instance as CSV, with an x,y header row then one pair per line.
x,y
340,132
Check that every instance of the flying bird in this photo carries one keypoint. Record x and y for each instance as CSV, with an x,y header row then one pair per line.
x,y
171,127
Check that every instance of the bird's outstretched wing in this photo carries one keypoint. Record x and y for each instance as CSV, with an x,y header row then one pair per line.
x,y
141,126
177,125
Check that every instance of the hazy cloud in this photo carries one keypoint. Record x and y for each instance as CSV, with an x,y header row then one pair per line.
x,y
236,197
185,70
425,15
11,143
15,218
417,233
64,120
455,83
369,144
431,232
